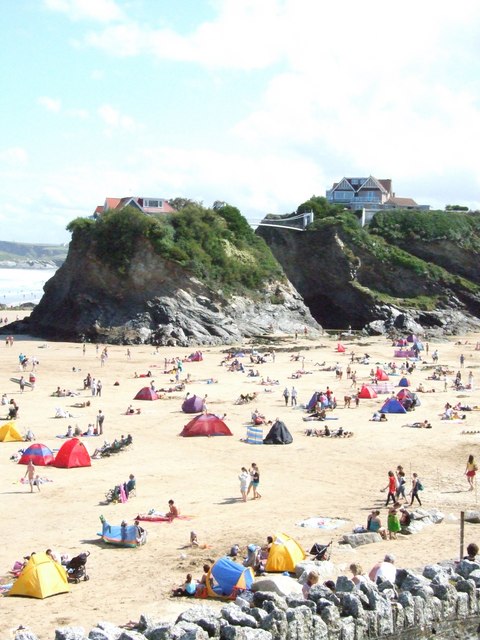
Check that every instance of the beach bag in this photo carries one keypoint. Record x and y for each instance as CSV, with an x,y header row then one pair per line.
x,y
419,486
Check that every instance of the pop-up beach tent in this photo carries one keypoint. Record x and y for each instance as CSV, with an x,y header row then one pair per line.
x,y
278,434
313,401
381,375
367,392
193,404
40,578
147,393
340,348
72,453
39,454
392,405
404,382
206,424
226,577
404,393
197,356
285,553
8,433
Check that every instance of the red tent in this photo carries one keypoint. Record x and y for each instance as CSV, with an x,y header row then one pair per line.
x,y
381,375
404,393
367,392
340,348
206,424
72,454
38,453
147,393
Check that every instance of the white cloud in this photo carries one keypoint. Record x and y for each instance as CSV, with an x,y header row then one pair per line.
x,y
13,157
50,104
79,114
97,10
114,119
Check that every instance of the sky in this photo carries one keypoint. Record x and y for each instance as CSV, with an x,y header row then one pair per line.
x,y
259,103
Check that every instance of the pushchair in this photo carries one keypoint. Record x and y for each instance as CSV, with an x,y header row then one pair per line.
x,y
76,570
321,551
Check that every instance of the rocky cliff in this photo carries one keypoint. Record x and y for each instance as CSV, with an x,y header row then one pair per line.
x,y
155,300
350,278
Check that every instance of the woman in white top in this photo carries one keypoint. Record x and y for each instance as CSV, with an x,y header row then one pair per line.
x,y
244,478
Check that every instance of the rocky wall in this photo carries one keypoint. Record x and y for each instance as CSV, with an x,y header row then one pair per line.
x,y
441,601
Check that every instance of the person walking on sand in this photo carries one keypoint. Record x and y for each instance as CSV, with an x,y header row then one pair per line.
x,y
244,478
416,487
255,476
471,471
30,473
392,488
286,395
100,419
293,396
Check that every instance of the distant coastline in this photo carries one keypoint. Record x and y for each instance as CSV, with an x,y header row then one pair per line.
x,y
27,264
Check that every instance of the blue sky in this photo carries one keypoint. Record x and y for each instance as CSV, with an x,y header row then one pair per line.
x,y
261,103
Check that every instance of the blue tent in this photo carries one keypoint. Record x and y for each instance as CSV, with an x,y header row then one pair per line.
x,y
227,577
313,401
404,382
392,405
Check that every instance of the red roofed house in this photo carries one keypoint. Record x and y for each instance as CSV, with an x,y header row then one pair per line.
x,y
145,205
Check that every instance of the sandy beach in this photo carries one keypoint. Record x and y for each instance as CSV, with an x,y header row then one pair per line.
x,y
324,477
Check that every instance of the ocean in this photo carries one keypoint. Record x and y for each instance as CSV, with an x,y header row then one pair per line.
x,y
23,285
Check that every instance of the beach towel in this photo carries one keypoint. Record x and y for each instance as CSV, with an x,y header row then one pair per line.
x,y
156,516
322,523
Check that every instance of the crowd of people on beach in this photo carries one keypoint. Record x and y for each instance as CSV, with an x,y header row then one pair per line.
x,y
399,498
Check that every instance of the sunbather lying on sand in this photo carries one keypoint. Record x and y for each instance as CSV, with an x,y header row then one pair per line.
x,y
419,425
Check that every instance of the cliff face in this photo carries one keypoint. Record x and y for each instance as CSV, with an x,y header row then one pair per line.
x,y
344,283
157,301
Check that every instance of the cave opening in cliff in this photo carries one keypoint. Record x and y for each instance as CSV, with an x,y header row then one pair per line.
x,y
332,316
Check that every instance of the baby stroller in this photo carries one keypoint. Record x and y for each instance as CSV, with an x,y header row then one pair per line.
x,y
321,551
76,568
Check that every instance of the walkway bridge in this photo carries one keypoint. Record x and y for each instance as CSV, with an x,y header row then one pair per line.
x,y
296,222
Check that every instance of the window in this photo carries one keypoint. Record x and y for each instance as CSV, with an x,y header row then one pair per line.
x,y
344,196
157,204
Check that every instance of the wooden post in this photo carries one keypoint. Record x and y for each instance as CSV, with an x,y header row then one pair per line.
x,y
462,532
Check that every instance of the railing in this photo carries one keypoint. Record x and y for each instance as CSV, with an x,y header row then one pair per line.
x,y
296,222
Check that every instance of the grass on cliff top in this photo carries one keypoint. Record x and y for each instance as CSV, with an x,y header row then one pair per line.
x,y
428,226
218,247
389,255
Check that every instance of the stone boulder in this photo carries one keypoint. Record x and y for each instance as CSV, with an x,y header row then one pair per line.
x,y
282,585
359,539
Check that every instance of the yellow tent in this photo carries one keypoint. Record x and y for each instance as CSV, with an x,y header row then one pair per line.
x,y
40,578
285,553
8,433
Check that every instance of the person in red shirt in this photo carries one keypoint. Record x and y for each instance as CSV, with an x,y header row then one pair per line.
x,y
392,488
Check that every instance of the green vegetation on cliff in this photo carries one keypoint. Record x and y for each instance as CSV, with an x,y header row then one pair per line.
x,y
375,246
218,247
428,226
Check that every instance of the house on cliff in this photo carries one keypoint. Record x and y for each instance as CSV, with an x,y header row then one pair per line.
x,y
149,206
370,194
